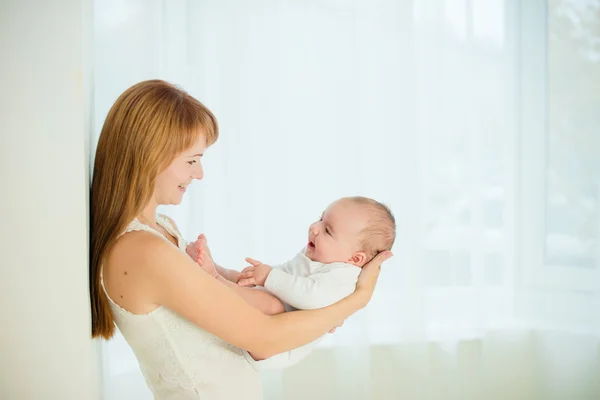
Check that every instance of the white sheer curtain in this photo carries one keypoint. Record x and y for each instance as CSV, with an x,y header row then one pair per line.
x,y
475,121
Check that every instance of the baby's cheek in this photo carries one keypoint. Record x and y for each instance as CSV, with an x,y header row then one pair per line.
x,y
333,254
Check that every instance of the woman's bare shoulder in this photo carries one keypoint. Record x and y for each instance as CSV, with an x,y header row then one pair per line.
x,y
137,247
132,269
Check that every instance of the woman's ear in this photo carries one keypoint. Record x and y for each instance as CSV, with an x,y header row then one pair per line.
x,y
359,259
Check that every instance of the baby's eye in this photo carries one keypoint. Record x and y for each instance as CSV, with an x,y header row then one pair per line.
x,y
327,231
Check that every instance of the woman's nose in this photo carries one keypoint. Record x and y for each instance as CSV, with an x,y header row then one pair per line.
x,y
198,172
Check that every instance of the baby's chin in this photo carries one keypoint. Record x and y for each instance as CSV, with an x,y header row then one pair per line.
x,y
310,254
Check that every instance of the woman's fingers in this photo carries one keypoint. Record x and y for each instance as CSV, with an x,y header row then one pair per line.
x,y
381,257
370,272
335,327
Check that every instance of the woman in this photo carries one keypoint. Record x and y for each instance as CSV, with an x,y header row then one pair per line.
x,y
185,327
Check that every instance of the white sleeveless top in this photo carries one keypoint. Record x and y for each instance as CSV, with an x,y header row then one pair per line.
x,y
178,359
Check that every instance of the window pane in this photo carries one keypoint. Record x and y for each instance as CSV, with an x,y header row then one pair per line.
x,y
573,146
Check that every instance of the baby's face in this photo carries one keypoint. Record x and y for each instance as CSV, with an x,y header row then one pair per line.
x,y
335,237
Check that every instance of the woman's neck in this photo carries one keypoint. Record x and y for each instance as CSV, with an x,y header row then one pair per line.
x,y
148,215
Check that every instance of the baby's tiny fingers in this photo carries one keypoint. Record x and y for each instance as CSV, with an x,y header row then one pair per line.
x,y
246,275
252,261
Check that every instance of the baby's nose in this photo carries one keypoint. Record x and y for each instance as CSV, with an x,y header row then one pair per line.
x,y
314,230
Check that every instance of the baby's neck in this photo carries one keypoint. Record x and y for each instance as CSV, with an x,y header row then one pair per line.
x,y
313,259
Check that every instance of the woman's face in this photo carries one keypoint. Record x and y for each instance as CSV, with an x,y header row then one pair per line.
x,y
172,183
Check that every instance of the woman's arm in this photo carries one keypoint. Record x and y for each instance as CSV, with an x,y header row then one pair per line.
x,y
257,298
172,279
200,254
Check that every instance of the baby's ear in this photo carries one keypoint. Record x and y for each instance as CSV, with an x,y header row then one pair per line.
x,y
359,259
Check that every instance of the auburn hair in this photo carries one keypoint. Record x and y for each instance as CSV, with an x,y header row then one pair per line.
x,y
148,126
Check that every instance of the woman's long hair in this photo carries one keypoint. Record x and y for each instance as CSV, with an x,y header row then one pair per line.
x,y
147,127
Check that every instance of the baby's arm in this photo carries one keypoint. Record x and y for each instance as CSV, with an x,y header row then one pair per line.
x,y
302,292
230,274
259,299
197,250
314,291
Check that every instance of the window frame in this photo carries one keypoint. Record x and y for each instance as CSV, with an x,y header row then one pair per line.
x,y
532,58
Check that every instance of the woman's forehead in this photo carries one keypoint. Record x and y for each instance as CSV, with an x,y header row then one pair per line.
x,y
200,144
196,149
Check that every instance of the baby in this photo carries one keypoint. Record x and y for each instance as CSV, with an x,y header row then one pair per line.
x,y
348,235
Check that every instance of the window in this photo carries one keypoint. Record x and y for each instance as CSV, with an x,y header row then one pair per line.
x,y
563,68
573,135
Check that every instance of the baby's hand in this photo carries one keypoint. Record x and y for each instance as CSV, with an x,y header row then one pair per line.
x,y
200,253
254,275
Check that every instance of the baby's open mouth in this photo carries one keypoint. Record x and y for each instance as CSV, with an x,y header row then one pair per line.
x,y
311,245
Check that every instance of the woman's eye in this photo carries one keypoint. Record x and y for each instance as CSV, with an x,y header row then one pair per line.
x,y
191,162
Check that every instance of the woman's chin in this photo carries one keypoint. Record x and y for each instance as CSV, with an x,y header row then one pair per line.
x,y
175,201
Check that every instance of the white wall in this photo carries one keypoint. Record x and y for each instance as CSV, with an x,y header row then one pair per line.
x,y
45,346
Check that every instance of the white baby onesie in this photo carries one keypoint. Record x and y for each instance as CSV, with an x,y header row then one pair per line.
x,y
303,284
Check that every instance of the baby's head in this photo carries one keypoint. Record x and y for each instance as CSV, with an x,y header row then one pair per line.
x,y
351,230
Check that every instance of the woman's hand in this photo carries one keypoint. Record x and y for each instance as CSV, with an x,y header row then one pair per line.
x,y
335,327
368,276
